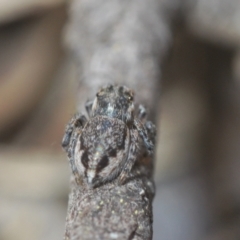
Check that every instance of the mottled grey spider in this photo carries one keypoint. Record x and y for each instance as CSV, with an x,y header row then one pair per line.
x,y
115,143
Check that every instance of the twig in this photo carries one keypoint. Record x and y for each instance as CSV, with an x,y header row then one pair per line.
x,y
121,41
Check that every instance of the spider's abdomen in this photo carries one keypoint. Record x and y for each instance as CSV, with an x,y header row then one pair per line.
x,y
102,149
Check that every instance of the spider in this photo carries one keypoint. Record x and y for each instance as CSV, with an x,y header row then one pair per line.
x,y
114,143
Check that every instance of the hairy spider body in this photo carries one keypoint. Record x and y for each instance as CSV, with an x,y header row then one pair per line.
x,y
114,143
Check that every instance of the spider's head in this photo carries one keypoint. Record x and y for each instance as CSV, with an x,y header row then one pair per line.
x,y
115,102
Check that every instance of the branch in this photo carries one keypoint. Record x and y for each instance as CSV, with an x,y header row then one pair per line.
x,y
121,41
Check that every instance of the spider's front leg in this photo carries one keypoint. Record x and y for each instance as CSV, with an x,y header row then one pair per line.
x,y
72,132
133,154
77,122
143,131
147,130
151,129
142,113
88,107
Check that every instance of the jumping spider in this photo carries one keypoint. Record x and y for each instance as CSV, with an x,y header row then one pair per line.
x,y
113,143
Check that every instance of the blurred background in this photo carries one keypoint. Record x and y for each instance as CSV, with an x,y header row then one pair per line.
x,y
198,154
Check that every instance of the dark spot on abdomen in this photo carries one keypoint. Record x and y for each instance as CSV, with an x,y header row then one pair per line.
x,y
103,163
112,153
84,159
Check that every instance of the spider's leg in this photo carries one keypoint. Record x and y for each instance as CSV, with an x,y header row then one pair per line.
x,y
88,107
67,137
142,113
151,129
72,132
72,161
133,154
77,122
143,132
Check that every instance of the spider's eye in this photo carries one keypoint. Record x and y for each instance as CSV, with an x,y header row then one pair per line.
x,y
109,87
128,95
